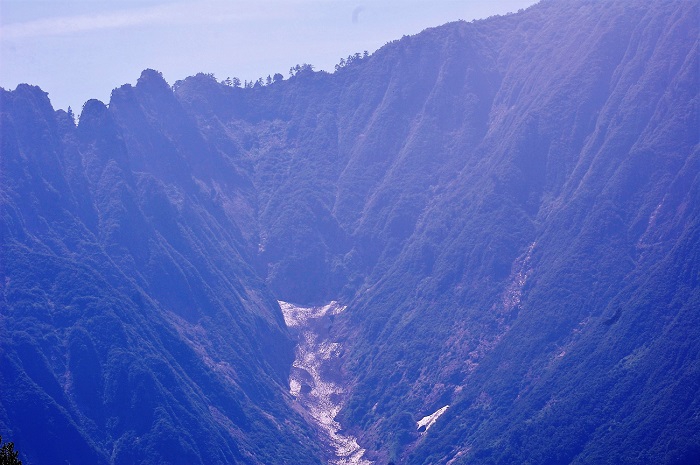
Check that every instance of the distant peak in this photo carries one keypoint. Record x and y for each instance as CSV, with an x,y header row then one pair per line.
x,y
35,92
94,114
152,79
94,106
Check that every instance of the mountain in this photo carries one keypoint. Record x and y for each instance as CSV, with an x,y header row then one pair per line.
x,y
506,209
133,328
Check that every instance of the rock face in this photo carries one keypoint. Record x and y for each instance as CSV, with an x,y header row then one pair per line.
x,y
508,209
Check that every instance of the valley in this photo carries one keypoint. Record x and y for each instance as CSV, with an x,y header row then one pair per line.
x,y
490,233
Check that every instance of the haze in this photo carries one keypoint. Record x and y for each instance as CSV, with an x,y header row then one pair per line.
x,y
77,50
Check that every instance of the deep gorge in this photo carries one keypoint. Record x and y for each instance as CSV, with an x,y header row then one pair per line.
x,y
505,209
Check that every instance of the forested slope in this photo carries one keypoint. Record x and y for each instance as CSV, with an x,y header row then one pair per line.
x,y
508,208
133,329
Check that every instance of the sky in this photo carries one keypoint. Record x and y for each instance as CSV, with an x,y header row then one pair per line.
x,y
81,49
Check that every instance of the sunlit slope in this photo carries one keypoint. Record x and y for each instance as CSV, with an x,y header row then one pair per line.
x,y
511,206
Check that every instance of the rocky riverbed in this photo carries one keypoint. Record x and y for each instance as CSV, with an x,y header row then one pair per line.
x,y
316,381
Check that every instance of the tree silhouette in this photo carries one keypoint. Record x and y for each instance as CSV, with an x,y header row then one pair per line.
x,y
304,68
8,454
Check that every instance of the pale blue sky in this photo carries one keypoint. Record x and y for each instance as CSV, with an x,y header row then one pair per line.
x,y
81,49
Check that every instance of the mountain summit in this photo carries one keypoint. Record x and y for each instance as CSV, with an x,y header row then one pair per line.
x,y
506,211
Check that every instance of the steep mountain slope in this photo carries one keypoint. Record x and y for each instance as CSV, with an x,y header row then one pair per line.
x,y
508,208
537,269
133,330
489,192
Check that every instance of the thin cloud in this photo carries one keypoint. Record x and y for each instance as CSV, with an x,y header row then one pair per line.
x,y
93,22
170,14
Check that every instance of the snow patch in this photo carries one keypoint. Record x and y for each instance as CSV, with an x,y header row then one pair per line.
x,y
429,420
296,317
315,380
294,387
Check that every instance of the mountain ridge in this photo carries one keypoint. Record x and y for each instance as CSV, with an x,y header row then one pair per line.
x,y
506,207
